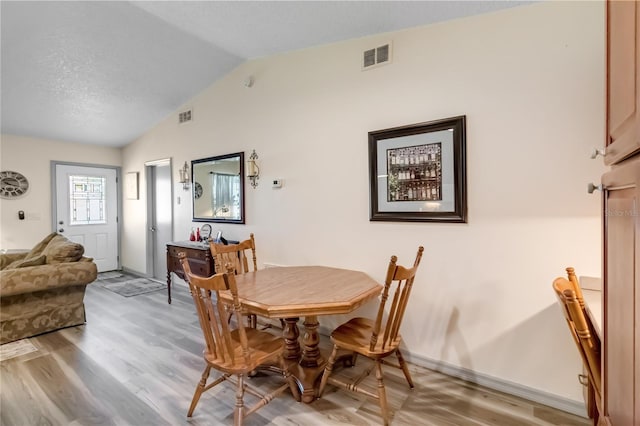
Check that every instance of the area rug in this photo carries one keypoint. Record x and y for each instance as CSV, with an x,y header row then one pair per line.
x,y
109,275
133,287
15,349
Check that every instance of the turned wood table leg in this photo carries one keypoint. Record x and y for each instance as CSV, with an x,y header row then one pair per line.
x,y
291,334
311,356
311,364
169,286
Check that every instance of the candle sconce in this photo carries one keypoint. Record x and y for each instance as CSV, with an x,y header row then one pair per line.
x,y
253,171
184,176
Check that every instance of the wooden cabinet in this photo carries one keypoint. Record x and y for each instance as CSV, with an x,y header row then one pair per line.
x,y
622,293
623,80
199,256
621,217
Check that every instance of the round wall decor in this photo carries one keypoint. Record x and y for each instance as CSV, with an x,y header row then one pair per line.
x,y
197,190
12,184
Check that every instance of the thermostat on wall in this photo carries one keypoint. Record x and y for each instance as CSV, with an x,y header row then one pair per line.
x,y
277,183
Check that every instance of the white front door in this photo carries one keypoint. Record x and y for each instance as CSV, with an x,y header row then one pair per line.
x,y
87,211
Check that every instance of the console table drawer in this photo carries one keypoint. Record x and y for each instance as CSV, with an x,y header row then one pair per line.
x,y
191,252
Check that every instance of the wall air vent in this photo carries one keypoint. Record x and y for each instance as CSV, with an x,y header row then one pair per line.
x,y
185,116
376,56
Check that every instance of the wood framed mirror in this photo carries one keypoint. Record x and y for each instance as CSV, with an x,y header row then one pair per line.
x,y
218,188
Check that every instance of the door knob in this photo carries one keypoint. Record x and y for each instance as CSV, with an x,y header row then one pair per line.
x,y
60,230
61,222
152,229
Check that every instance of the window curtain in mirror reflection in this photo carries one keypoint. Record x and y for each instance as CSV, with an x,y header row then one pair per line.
x,y
225,204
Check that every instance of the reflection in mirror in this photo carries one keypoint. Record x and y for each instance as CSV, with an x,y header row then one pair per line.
x,y
218,188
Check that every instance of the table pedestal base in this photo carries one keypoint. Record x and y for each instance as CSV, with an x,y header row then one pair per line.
x,y
307,378
306,363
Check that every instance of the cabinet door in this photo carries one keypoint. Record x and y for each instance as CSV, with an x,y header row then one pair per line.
x,y
622,293
623,80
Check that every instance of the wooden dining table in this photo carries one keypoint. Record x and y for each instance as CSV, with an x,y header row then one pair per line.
x,y
304,291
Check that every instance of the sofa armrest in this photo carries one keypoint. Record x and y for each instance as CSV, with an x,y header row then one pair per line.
x,y
7,258
45,277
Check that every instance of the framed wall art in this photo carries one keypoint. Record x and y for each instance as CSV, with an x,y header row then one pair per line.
x,y
418,172
131,186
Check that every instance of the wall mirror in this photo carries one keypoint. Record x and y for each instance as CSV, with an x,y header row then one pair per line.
x,y
218,188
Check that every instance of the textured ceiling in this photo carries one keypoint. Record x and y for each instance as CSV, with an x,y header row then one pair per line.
x,y
105,72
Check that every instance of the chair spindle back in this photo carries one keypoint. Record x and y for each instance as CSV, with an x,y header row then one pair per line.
x,y
580,326
399,280
213,314
235,254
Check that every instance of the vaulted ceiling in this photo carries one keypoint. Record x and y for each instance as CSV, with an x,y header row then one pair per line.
x,y
105,72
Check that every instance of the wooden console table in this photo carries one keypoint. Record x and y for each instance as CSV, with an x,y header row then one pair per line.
x,y
199,257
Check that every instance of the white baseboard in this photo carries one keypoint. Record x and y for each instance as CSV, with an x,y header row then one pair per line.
x,y
132,272
512,388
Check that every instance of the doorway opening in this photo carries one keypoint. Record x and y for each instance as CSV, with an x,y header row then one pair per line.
x,y
159,216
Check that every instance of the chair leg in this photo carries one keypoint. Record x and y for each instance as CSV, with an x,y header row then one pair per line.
x,y
327,370
199,390
238,412
405,368
354,357
382,394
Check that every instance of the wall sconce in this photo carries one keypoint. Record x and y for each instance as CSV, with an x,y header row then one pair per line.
x,y
253,171
184,176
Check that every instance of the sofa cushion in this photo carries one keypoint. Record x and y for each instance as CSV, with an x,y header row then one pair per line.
x,y
25,262
39,248
61,250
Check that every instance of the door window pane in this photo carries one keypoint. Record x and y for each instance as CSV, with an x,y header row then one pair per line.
x,y
87,200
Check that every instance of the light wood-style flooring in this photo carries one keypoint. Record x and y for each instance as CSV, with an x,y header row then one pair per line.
x,y
138,360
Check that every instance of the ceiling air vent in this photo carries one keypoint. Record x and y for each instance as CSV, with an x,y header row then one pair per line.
x,y
377,56
185,116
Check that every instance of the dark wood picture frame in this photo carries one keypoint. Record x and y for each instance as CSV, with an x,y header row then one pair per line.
x,y
417,173
203,205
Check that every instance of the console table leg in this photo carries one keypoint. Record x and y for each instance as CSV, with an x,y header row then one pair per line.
x,y
169,286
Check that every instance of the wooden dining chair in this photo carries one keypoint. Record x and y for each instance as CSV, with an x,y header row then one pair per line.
x,y
376,339
582,331
237,255
241,255
233,352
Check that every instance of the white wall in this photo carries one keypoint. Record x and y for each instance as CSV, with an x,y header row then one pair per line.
x,y
32,157
531,83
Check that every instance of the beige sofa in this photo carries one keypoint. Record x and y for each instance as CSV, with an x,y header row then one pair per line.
x,y
43,290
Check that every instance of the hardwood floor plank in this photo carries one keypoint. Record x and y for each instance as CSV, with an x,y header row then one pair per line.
x,y
137,362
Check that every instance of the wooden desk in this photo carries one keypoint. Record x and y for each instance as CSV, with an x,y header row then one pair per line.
x,y
304,291
198,254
